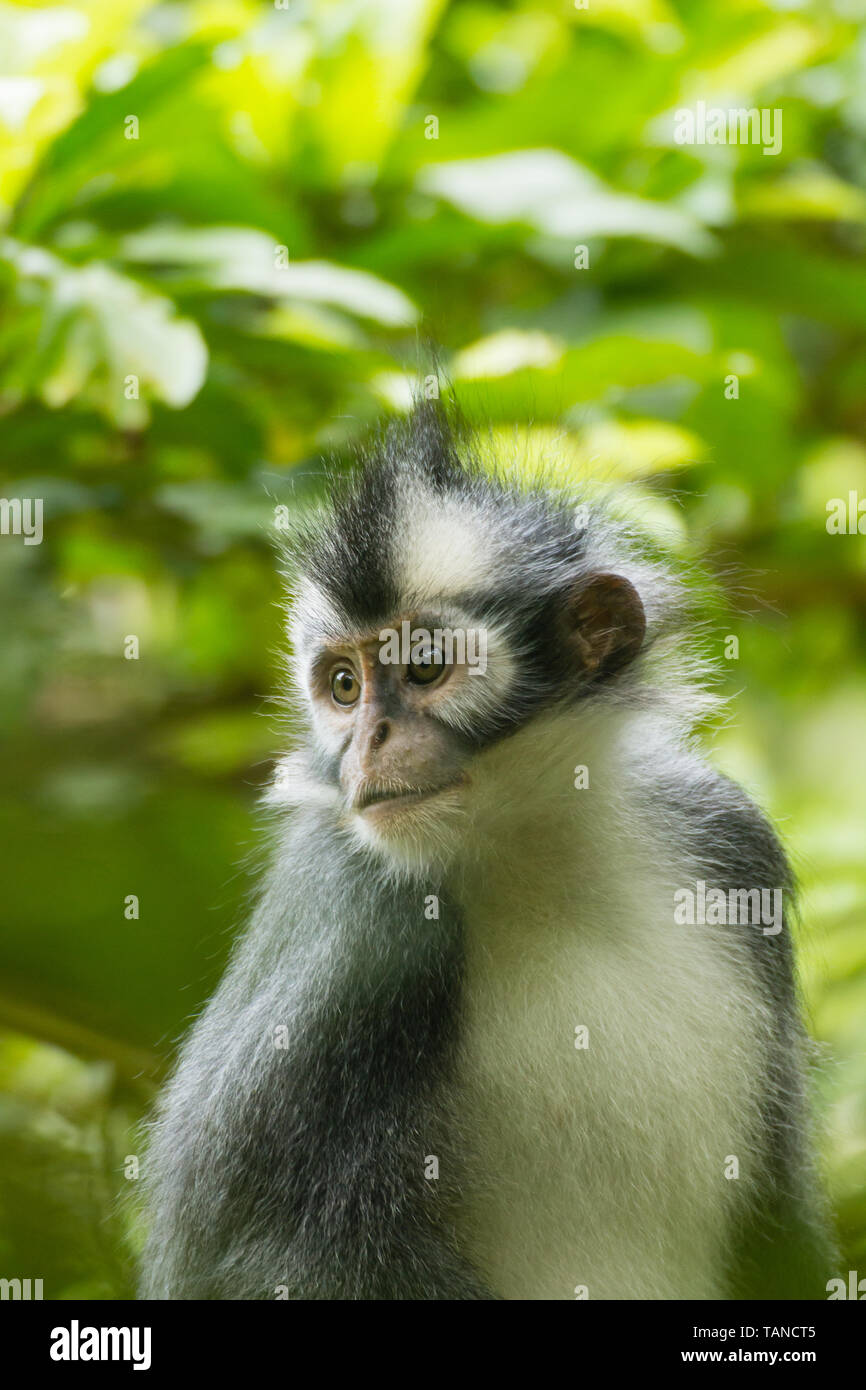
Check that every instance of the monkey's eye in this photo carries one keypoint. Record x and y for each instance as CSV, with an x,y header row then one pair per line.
x,y
345,686
427,668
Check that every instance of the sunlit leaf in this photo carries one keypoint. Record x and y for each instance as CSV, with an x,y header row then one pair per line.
x,y
100,337
548,191
236,258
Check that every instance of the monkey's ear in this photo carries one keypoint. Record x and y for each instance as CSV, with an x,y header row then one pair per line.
x,y
606,623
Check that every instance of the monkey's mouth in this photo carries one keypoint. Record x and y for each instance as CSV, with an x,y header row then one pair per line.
x,y
393,795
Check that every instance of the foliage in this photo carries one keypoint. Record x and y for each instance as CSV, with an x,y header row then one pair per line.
x,y
224,225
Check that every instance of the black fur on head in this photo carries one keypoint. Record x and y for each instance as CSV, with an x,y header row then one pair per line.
x,y
421,523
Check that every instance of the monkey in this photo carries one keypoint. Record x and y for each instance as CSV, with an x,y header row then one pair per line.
x,y
466,1049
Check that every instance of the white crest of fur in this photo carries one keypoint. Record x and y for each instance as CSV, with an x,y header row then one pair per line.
x,y
440,547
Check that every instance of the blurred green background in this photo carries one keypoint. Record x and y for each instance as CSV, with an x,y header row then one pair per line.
x,y
223,227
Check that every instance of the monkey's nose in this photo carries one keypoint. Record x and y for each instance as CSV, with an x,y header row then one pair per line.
x,y
380,733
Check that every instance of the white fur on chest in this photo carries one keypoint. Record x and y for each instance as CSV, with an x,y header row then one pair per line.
x,y
601,1167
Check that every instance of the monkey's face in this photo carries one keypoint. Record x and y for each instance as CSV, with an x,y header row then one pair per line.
x,y
436,619
409,719
395,712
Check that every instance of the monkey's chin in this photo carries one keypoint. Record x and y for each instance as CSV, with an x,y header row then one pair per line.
x,y
416,829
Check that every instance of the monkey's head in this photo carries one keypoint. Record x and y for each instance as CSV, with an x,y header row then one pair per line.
x,y
438,614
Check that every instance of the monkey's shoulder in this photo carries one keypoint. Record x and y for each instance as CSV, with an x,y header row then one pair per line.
x,y
721,826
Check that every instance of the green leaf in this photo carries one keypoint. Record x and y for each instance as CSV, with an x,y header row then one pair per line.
x,y
95,142
238,258
556,195
94,335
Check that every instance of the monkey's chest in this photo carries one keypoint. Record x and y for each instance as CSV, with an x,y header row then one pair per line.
x,y
601,1087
